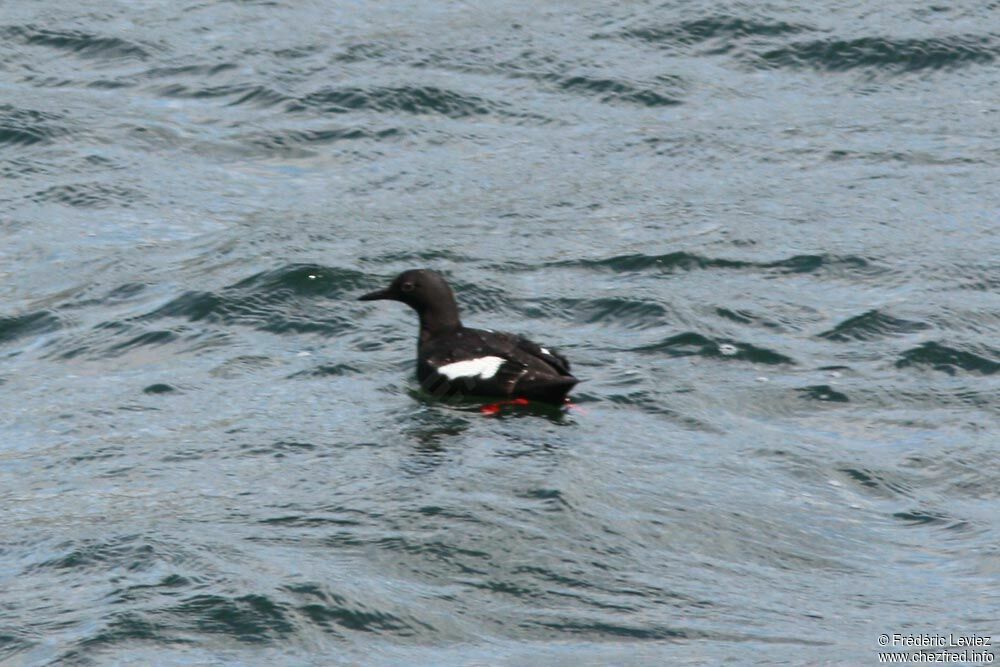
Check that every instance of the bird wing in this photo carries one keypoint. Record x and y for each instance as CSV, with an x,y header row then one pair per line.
x,y
550,357
512,346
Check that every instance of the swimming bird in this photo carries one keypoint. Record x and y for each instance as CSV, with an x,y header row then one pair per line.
x,y
455,360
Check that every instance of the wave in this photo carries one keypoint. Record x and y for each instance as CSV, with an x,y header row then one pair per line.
x,y
327,370
292,140
405,99
159,388
547,70
823,392
880,484
709,28
686,261
883,53
29,324
615,90
872,325
951,360
242,93
291,299
272,301
88,195
24,127
690,343
83,44
330,610
623,312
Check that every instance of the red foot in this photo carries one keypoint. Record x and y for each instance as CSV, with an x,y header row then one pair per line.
x,y
494,408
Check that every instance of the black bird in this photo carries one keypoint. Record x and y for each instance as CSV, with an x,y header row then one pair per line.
x,y
455,360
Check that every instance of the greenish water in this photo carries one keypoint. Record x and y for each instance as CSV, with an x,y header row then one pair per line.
x,y
766,237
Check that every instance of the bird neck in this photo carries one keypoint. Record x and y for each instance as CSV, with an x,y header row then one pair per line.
x,y
439,319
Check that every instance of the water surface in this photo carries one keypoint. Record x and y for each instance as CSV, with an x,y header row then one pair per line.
x,y
766,236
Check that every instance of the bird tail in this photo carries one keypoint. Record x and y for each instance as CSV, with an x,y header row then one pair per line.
x,y
552,391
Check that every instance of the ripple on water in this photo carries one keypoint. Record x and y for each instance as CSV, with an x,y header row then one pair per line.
x,y
690,343
401,99
79,43
277,301
291,142
823,392
616,90
327,370
550,71
250,94
872,325
291,299
89,195
26,127
884,54
950,360
617,312
29,324
237,464
724,28
881,484
828,265
251,618
165,604
159,388
334,612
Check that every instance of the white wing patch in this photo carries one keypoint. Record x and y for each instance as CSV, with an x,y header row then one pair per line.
x,y
544,351
484,367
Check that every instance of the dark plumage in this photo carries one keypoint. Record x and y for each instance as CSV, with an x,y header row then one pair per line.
x,y
453,359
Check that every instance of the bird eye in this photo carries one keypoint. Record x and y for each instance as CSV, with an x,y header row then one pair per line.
x,y
406,287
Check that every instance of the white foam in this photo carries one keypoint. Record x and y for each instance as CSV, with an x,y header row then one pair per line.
x,y
484,367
